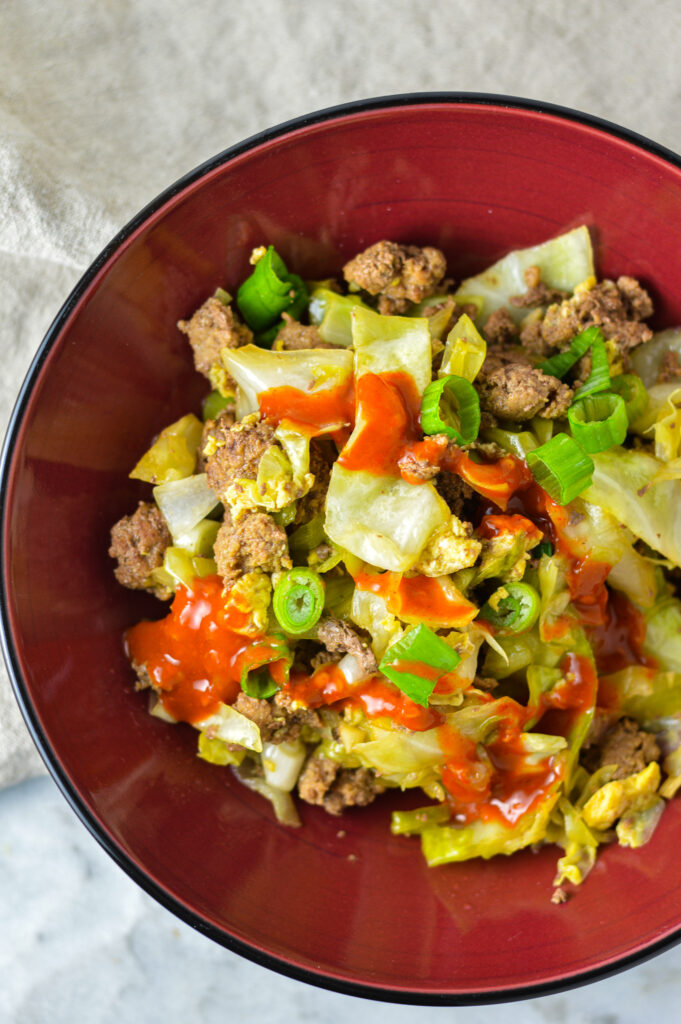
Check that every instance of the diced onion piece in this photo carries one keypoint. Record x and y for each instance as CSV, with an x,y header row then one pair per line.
x,y
184,503
282,763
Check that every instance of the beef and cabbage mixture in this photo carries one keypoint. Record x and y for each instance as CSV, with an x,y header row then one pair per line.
x,y
425,537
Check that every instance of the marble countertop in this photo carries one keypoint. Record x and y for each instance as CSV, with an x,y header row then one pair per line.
x,y
79,941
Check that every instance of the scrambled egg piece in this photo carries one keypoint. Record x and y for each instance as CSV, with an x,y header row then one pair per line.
x,y
615,798
251,594
449,549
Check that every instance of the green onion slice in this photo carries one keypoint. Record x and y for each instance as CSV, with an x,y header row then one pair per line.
x,y
558,365
451,406
259,683
416,662
545,548
213,404
632,389
599,421
298,600
270,290
513,608
599,378
561,467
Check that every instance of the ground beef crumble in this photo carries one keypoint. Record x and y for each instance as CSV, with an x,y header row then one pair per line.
x,y
500,328
234,450
213,327
251,541
278,718
294,336
538,293
518,392
139,544
397,274
324,783
616,307
626,745
339,636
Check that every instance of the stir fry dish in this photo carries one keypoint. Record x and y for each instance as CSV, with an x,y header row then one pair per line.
x,y
425,537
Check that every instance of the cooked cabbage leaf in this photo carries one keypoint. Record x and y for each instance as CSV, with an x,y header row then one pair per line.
x,y
646,360
380,519
621,486
386,344
565,262
258,369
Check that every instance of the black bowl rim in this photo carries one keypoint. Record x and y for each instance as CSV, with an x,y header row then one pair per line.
x,y
263,959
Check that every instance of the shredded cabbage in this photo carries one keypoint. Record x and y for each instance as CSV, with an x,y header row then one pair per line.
x,y
258,369
565,262
382,520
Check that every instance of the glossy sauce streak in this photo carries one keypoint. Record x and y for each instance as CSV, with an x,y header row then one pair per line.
x,y
375,696
497,481
422,598
322,411
195,657
503,785
388,410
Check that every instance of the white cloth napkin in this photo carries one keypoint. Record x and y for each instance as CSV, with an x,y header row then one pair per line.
x,y
103,104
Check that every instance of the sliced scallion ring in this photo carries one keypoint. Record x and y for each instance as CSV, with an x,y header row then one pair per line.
x,y
561,468
632,389
599,422
513,608
451,406
599,378
298,600
558,365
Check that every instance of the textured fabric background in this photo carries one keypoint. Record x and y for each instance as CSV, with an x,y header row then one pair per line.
x,y
103,104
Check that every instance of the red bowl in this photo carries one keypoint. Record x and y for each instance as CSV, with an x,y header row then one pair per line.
x,y
354,910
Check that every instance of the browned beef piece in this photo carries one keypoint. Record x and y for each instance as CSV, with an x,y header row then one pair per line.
x,y
253,541
538,293
670,368
294,336
500,328
239,448
626,745
615,308
324,658
322,457
339,636
277,718
414,469
212,428
139,543
501,354
638,303
533,341
212,328
454,490
517,392
486,683
398,274
325,784
144,680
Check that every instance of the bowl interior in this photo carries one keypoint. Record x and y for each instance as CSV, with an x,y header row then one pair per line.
x,y
341,901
